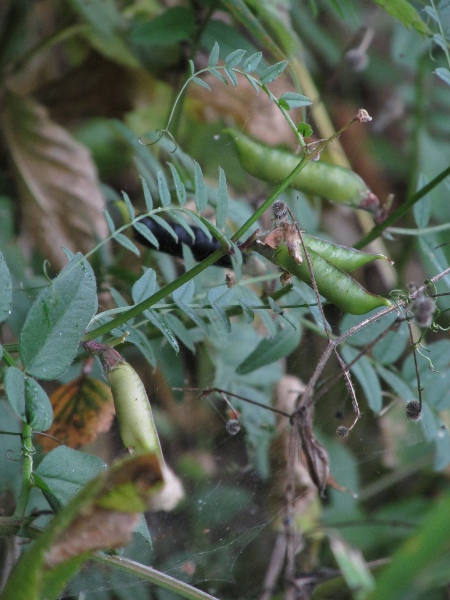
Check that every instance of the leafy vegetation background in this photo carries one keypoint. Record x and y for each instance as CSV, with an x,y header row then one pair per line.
x,y
85,87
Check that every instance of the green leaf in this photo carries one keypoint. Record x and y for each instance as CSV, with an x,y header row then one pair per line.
x,y
422,209
405,13
138,339
294,100
397,385
15,391
158,321
164,194
179,185
232,76
183,334
201,197
111,226
367,377
304,129
182,297
144,287
5,290
147,195
126,243
271,349
411,564
165,225
201,83
233,59
173,25
219,75
145,232
57,476
251,63
129,206
57,320
272,72
219,297
214,55
179,219
222,200
38,406
443,74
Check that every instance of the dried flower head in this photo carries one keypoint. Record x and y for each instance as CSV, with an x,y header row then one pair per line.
x,y
413,410
423,309
363,116
280,210
342,431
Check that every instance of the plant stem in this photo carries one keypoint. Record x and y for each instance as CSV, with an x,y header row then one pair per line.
x,y
402,210
153,576
27,470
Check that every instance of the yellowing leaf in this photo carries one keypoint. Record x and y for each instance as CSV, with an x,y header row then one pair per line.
x,y
61,200
82,409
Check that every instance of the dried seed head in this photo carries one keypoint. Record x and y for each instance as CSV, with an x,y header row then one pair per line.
x,y
233,426
342,431
363,116
413,410
280,210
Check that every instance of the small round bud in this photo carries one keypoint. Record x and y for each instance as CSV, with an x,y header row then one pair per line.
x,y
363,116
279,210
233,426
342,431
413,410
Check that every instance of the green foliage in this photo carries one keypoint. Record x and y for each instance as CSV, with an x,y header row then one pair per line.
x,y
214,350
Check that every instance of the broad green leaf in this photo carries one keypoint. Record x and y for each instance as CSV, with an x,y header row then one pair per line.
x,y
129,206
214,56
355,571
164,194
250,63
173,25
222,200
57,476
182,297
405,13
182,333
405,574
366,376
102,14
147,195
138,339
272,72
201,83
390,348
38,406
179,185
159,321
295,100
126,243
57,320
145,232
397,384
5,290
271,349
233,59
15,391
144,287
201,197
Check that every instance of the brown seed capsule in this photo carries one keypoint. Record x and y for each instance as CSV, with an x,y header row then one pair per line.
x,y
413,410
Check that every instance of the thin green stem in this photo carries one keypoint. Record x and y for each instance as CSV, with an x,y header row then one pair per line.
x,y
8,358
27,471
153,576
419,232
402,210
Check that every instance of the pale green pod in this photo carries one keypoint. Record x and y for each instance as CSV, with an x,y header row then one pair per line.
x,y
333,283
347,259
133,410
317,178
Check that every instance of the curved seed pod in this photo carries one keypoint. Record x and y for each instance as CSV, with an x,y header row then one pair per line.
x,y
347,259
319,178
333,283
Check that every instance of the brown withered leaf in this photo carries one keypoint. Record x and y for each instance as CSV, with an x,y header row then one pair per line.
x,y
62,204
82,409
287,234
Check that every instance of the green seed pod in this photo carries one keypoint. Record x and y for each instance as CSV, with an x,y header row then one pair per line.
x,y
318,178
333,283
347,259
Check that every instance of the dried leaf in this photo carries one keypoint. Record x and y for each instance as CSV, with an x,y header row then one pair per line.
x,y
82,409
62,205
